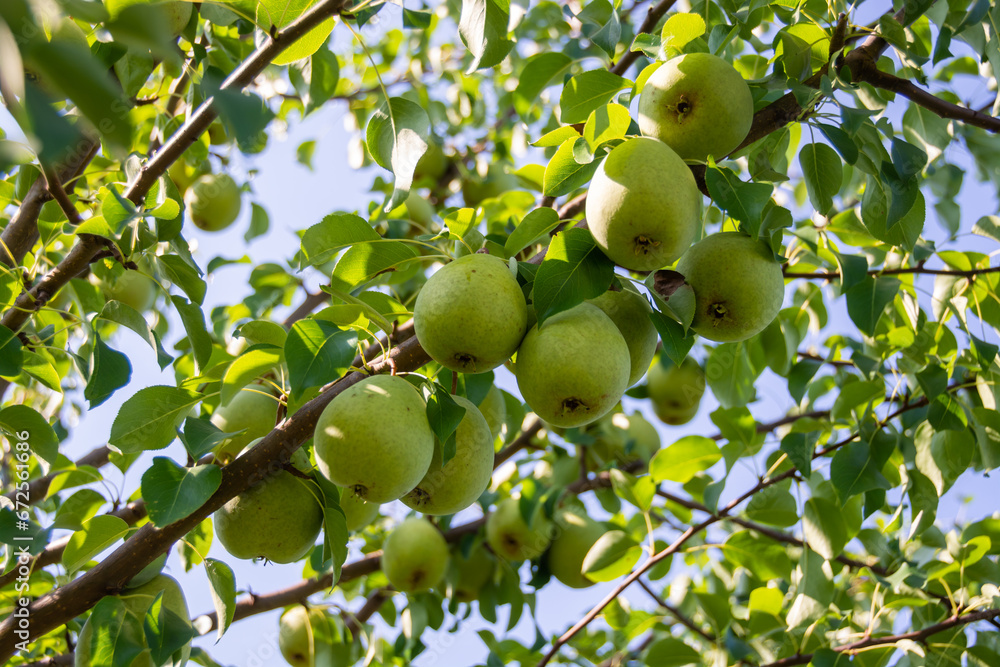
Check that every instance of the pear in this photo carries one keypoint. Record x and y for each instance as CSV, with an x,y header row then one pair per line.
x,y
277,519
252,409
131,288
359,513
625,439
374,439
459,483
630,311
137,602
575,368
415,556
467,576
470,316
513,539
675,391
738,287
697,104
312,638
557,471
575,534
213,201
432,165
643,207
494,409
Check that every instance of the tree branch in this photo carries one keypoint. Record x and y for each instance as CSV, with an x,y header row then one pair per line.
x,y
906,270
886,640
519,443
677,613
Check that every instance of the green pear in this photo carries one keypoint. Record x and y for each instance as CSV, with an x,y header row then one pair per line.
x,y
359,513
494,409
697,104
470,316
630,311
675,391
277,519
738,287
253,409
184,175
557,471
513,539
574,368
575,534
374,439
313,638
213,201
137,602
643,207
487,183
625,439
467,576
415,556
459,483
131,288
175,14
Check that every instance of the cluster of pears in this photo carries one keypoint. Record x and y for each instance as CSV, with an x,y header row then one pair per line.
x,y
472,316
644,207
313,637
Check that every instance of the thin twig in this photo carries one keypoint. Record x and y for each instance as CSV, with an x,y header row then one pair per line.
x,y
677,613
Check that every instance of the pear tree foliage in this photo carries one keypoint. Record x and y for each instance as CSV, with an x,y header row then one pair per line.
x,y
806,526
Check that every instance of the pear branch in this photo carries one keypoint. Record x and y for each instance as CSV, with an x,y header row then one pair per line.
x,y
677,613
916,636
906,270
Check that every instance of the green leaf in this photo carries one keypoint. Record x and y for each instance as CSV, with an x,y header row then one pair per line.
x,y
11,353
671,652
193,320
130,318
111,370
988,226
742,201
775,506
824,527
200,436
483,28
867,300
318,352
587,92
397,137
676,342
335,533
280,13
260,222
799,448
41,437
193,549
605,123
764,557
256,332
563,174
574,270
166,632
613,555
536,224
684,459
184,276
245,114
680,29
444,415
254,362
859,397
117,634
730,374
222,581
146,421
40,367
97,534
853,471
842,141
824,175
335,231
173,492
363,262
71,68
537,74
